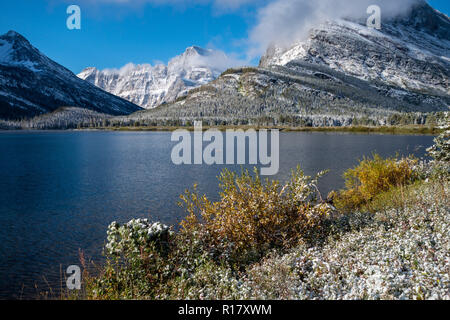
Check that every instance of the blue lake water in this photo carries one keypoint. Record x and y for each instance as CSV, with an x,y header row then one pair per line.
x,y
60,190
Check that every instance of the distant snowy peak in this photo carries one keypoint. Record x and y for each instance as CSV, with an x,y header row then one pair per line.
x,y
32,84
88,72
15,50
149,86
13,46
410,51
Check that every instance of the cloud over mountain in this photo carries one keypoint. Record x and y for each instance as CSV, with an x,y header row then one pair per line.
x,y
149,86
283,22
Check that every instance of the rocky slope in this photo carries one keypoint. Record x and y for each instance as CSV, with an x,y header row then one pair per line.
x,y
32,84
149,86
410,51
300,93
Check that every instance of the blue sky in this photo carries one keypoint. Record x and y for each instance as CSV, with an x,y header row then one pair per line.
x,y
116,32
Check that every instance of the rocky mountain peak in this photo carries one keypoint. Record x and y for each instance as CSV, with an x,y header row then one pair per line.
x,y
195,50
411,51
12,35
32,84
88,73
14,48
424,18
149,86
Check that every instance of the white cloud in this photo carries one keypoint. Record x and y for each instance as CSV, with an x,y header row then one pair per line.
x,y
126,68
283,22
214,59
218,60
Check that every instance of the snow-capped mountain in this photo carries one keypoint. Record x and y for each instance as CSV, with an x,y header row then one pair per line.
x,y
411,51
32,84
149,86
343,74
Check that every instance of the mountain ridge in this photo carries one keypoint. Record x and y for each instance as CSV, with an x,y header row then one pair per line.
x,y
149,86
32,84
405,52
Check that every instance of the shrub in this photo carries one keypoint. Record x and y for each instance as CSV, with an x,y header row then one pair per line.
x,y
253,217
208,281
136,261
372,177
131,239
441,150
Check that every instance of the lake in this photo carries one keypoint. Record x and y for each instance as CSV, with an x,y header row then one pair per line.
x,y
60,190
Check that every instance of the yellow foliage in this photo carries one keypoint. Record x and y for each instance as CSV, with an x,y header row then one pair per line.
x,y
254,216
372,177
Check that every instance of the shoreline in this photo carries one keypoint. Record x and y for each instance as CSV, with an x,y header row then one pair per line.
x,y
394,130
391,130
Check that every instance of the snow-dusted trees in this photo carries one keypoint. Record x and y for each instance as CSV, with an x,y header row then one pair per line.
x,y
441,150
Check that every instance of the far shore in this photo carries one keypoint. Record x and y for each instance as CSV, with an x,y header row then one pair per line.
x,y
392,130
409,129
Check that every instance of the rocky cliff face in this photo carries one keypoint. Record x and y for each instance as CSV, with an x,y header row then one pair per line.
x,y
410,51
32,84
149,86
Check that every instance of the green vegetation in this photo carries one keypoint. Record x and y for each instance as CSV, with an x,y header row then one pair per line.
x,y
398,123
394,129
388,239
239,70
406,123
82,119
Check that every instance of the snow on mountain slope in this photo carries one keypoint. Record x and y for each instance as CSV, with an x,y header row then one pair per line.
x,y
149,86
343,74
411,51
32,84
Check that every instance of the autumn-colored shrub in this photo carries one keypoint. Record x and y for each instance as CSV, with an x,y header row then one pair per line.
x,y
372,177
253,216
